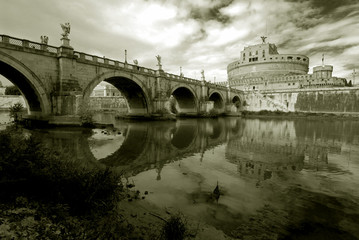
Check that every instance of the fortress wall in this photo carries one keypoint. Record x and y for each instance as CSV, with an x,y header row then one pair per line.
x,y
336,100
328,101
6,101
108,104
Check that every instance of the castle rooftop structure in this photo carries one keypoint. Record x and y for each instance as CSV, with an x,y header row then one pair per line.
x,y
261,67
264,60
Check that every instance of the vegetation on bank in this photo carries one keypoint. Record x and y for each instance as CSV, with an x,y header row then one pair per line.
x,y
266,113
15,112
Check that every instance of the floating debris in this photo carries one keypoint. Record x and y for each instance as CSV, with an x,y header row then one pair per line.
x,y
216,192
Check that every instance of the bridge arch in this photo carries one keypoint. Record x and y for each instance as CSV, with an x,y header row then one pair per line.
x,y
31,87
237,102
217,99
135,144
183,136
130,86
186,98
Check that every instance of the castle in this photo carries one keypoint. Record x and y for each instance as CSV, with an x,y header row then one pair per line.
x,y
261,67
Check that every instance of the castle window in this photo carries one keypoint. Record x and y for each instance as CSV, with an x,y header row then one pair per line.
x,y
298,58
304,59
289,58
244,56
250,53
256,52
263,53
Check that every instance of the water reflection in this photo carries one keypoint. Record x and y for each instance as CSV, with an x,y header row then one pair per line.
x,y
280,166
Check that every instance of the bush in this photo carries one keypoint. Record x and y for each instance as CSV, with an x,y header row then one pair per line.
x,y
174,228
15,111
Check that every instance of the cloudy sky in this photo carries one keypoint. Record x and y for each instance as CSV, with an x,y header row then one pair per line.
x,y
194,34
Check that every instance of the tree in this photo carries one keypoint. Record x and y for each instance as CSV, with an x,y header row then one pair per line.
x,y
12,90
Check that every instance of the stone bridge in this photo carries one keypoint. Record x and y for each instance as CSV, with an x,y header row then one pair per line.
x,y
57,81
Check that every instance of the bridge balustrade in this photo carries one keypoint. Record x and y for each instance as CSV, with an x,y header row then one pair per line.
x,y
28,44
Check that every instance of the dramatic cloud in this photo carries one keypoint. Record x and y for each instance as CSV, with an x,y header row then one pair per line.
x,y
193,34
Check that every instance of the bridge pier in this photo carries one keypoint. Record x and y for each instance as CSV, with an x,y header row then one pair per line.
x,y
206,106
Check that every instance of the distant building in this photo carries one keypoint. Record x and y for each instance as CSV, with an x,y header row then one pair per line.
x,y
261,67
105,89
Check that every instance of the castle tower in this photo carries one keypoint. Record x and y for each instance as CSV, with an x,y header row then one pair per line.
x,y
323,72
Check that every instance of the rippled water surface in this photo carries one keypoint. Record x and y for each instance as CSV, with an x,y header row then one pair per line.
x,y
277,178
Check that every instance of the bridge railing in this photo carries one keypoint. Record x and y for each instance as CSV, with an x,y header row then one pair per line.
x,y
182,78
115,63
27,44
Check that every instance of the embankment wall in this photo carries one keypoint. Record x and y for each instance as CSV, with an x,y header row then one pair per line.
x,y
6,101
117,104
330,100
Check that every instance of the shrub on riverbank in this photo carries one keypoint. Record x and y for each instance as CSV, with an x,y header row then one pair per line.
x,y
15,111
175,228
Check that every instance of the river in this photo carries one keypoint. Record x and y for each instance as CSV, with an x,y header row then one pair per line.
x,y
276,177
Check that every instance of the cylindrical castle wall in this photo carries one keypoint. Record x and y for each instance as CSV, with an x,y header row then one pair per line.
x,y
267,69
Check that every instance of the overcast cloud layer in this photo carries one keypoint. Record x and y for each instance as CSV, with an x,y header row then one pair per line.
x,y
194,34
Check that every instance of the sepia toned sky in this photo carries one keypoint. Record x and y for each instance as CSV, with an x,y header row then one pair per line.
x,y
194,34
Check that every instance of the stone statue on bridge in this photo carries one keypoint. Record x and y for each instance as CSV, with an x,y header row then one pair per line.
x,y
44,40
159,62
66,29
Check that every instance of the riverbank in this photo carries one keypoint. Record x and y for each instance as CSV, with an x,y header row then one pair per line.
x,y
48,195
279,114
135,219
